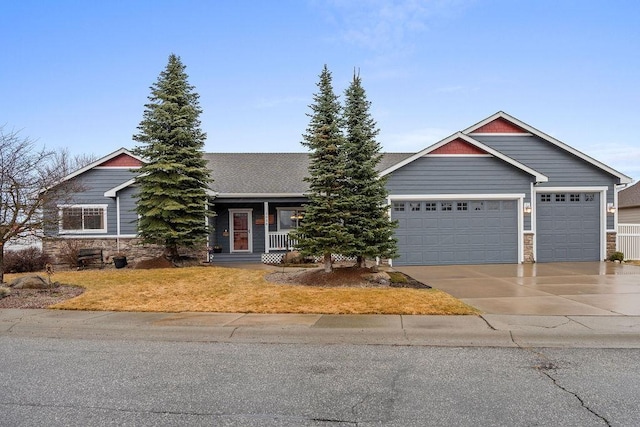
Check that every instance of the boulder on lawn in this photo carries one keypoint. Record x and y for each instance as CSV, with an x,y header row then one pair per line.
x,y
292,257
29,282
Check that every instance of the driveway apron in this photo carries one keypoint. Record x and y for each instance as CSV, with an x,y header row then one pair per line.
x,y
556,289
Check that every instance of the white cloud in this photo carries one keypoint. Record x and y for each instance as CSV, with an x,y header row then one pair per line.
x,y
382,24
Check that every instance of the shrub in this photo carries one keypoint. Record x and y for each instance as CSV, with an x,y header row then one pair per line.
x,y
25,260
69,253
4,292
616,256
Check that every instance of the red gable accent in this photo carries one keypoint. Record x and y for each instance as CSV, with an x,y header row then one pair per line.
x,y
458,146
122,160
499,125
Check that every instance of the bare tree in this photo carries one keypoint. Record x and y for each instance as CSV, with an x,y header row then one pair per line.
x,y
30,181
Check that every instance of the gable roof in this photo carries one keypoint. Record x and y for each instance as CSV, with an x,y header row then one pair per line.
x,y
630,196
477,144
120,158
484,126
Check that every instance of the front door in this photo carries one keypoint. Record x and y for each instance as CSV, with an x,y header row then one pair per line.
x,y
240,226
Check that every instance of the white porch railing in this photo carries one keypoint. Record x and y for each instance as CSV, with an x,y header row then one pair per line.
x,y
280,241
629,240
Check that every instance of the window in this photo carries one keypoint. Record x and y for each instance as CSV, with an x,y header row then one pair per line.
x,y
290,218
415,206
493,205
560,198
430,206
462,206
574,197
545,198
446,206
589,197
477,206
83,219
398,206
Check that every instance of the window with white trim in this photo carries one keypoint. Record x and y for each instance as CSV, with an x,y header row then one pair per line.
x,y
289,218
83,219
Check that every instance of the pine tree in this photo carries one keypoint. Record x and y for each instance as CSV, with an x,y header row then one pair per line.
x,y
365,192
171,202
322,231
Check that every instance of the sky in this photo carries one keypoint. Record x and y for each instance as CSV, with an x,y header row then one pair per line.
x,y
76,74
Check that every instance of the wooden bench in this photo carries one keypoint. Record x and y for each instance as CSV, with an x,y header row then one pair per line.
x,y
90,256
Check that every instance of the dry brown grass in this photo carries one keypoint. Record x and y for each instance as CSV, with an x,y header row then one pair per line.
x,y
217,289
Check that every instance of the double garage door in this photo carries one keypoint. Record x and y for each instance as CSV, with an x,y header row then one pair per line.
x,y
456,232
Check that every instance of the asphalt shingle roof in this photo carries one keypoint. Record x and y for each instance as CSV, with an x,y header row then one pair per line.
x,y
629,197
268,173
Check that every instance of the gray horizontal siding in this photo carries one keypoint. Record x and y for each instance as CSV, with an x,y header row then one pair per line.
x,y
94,183
563,168
128,215
461,175
458,175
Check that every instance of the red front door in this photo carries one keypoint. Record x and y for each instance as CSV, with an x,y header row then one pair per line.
x,y
240,231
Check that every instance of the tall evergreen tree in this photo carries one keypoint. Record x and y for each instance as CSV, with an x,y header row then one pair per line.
x,y
172,199
322,232
365,192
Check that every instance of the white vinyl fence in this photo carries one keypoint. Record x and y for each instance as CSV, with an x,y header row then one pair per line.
x,y
628,240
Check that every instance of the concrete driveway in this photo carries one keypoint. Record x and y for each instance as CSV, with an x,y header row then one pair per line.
x,y
558,289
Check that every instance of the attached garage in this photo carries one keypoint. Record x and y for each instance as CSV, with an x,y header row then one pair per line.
x,y
450,232
568,226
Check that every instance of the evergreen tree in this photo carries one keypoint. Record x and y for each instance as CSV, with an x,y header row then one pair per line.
x,y
365,192
322,231
172,198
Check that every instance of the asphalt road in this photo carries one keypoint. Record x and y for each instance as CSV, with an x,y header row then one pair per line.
x,y
91,382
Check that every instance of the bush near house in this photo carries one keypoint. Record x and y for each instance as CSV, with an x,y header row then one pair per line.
x,y
25,260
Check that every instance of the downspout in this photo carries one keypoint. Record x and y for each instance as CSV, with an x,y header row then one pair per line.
x,y
117,223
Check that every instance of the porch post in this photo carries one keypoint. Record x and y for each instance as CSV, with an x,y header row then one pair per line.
x,y
266,227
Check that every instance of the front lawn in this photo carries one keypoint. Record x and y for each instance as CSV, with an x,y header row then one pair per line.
x,y
218,289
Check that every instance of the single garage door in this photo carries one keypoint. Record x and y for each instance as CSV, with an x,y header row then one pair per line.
x,y
568,227
456,232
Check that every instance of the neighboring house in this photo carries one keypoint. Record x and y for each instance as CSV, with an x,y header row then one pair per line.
x,y
629,222
499,191
629,205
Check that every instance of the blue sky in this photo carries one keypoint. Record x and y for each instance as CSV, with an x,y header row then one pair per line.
x,y
76,74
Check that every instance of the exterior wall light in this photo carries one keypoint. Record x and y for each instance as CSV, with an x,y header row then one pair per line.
x,y
527,207
611,208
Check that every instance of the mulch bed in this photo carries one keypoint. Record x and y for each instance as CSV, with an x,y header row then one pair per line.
x,y
39,298
340,278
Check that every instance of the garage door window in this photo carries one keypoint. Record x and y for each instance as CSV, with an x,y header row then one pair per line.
x,y
414,206
477,206
545,198
430,206
560,198
446,206
398,206
462,206
574,197
589,197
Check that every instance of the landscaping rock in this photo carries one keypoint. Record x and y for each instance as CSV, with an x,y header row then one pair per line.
x,y
30,282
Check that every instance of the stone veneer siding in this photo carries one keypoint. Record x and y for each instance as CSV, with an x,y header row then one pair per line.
x,y
129,247
528,248
611,243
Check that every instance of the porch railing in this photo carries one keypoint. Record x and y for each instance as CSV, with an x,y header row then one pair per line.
x,y
280,241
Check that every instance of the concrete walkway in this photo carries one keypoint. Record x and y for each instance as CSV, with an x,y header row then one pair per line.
x,y
556,289
459,331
